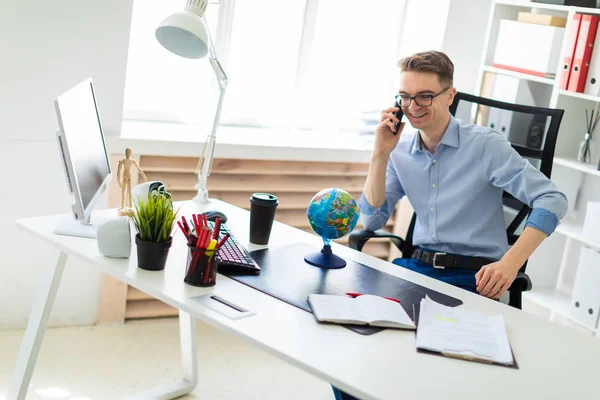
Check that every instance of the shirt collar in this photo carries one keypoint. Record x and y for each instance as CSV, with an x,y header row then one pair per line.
x,y
450,138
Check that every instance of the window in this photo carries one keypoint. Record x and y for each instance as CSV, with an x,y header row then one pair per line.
x,y
161,86
291,64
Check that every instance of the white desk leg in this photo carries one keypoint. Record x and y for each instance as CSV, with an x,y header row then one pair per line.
x,y
189,362
36,327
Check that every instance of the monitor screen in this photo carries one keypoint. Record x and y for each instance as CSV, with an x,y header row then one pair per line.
x,y
83,141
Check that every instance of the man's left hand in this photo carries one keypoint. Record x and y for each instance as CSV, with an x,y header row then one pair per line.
x,y
493,280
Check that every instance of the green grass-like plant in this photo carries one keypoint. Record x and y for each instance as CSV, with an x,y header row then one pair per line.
x,y
154,218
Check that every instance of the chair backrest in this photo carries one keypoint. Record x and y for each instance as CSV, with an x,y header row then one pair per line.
x,y
532,132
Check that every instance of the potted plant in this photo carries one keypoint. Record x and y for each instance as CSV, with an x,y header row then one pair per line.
x,y
153,219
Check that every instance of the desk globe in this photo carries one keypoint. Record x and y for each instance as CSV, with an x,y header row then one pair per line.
x,y
332,213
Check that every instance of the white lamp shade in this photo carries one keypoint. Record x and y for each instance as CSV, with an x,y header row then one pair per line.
x,y
184,33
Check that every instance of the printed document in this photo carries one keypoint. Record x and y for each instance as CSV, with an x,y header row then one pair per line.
x,y
456,332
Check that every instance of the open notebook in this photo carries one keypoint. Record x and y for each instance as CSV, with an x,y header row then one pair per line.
x,y
465,334
362,310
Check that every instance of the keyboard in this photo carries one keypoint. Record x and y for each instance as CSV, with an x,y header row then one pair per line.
x,y
233,257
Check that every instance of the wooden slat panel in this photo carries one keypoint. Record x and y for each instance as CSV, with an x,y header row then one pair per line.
x,y
149,309
254,167
134,294
233,181
290,200
111,300
344,240
375,247
169,164
298,219
261,183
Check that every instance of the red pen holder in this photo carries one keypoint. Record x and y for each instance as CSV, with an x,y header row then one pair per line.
x,y
201,269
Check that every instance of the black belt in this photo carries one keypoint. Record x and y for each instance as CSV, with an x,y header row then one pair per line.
x,y
443,260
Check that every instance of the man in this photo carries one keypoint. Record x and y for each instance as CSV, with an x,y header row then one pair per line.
x,y
454,176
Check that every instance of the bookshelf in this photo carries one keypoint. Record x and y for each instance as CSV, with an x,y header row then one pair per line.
x,y
581,96
572,163
553,266
520,75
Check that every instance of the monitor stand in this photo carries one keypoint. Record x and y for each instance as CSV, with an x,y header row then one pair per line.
x,y
68,226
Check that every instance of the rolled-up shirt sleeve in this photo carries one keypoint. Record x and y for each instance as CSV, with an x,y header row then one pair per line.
x,y
373,218
506,169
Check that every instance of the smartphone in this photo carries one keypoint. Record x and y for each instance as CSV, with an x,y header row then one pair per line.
x,y
399,114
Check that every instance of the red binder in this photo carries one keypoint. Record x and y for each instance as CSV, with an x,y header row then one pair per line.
x,y
570,51
583,52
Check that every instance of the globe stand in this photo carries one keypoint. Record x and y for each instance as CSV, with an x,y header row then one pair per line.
x,y
325,259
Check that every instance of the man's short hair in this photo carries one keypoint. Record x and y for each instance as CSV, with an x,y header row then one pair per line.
x,y
430,61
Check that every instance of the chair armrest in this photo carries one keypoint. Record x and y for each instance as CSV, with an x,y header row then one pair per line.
x,y
358,239
522,282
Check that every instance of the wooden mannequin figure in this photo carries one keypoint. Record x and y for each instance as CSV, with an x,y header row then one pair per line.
x,y
124,180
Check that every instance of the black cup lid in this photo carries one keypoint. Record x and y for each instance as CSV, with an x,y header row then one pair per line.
x,y
264,198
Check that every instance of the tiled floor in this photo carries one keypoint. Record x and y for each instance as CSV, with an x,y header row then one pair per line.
x,y
110,361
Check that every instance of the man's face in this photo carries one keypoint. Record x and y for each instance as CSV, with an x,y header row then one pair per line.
x,y
425,84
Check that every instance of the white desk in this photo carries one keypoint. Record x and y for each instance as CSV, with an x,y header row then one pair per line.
x,y
555,362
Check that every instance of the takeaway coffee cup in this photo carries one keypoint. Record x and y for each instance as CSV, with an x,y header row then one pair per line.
x,y
262,214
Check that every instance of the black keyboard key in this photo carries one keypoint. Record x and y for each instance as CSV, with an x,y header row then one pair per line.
x,y
234,259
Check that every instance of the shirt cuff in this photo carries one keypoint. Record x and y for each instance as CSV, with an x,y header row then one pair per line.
x,y
367,209
542,220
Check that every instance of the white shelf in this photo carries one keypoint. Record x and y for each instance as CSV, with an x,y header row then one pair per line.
x,y
541,6
591,169
520,75
582,96
556,301
552,299
573,231
587,10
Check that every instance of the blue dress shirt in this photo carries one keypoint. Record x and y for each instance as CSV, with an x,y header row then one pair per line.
x,y
457,192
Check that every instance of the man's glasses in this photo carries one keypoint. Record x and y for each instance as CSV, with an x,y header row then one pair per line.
x,y
422,100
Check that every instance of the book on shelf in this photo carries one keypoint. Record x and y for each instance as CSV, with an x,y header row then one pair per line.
x,y
571,41
583,52
459,333
362,310
527,48
542,19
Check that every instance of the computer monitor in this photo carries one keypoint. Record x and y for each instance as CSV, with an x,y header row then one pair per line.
x,y
85,159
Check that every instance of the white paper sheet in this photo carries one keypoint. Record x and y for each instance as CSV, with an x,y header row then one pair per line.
x,y
458,332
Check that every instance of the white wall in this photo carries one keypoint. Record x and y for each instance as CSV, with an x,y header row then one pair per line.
x,y
456,27
46,48
464,39
424,26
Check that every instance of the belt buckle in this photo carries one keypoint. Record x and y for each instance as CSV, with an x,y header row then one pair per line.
x,y
435,258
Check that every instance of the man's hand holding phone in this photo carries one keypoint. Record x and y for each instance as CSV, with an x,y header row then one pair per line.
x,y
388,131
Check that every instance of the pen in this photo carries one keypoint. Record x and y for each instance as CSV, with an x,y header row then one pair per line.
x,y
185,225
217,228
208,254
223,240
185,232
354,295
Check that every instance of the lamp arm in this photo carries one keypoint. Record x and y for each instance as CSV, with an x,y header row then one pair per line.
x,y
209,146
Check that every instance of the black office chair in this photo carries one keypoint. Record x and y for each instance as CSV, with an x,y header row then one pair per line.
x,y
532,132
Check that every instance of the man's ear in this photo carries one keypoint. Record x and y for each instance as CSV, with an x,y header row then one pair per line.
x,y
452,92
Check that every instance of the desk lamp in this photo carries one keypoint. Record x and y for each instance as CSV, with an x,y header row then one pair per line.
x,y
185,34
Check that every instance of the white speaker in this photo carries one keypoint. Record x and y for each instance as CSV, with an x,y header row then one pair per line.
x,y
114,238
